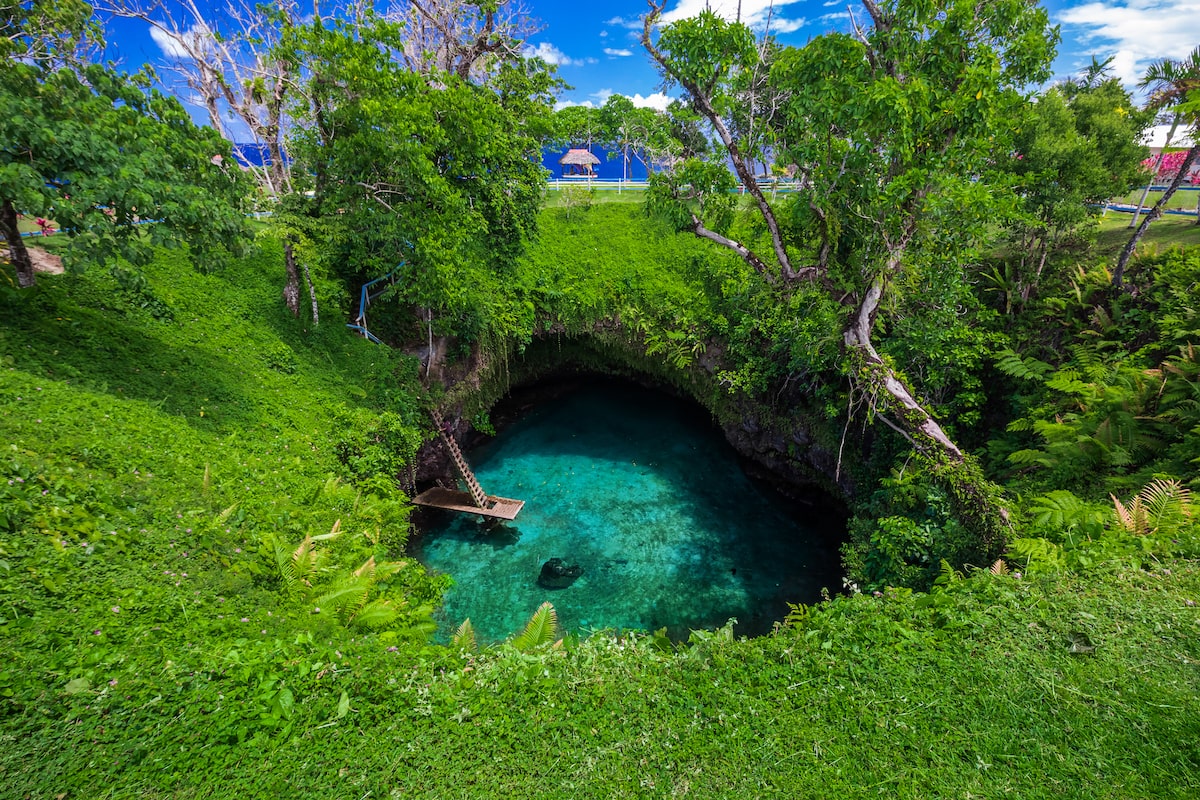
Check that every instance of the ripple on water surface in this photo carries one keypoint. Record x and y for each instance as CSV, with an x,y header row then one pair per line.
x,y
642,492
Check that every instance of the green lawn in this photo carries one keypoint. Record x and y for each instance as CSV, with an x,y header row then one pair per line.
x,y
1165,232
1181,199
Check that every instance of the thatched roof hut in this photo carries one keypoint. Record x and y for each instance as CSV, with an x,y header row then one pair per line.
x,y
578,161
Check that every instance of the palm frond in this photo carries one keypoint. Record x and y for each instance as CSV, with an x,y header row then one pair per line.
x,y
541,629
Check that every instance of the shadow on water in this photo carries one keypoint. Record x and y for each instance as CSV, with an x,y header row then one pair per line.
x,y
642,492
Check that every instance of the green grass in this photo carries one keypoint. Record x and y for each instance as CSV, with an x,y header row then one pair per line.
x,y
976,695
1165,232
1181,199
160,440
598,194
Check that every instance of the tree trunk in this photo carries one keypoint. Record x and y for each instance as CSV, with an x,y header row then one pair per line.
x,y
312,294
19,255
976,500
752,187
291,289
1157,166
1155,213
919,427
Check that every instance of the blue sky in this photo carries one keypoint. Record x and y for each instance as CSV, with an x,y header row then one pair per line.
x,y
596,49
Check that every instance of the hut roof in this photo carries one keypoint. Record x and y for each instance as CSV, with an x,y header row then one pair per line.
x,y
578,156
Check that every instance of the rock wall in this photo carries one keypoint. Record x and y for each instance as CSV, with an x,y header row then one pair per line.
x,y
792,446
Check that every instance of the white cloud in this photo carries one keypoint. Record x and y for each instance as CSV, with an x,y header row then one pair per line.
x,y
754,12
552,55
176,46
612,51
1135,32
834,16
658,101
631,23
780,25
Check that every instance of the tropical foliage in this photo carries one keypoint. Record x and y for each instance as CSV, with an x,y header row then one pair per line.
x,y
204,503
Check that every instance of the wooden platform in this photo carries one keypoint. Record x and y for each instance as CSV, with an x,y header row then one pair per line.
x,y
451,500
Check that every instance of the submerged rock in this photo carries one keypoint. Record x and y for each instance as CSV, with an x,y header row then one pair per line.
x,y
556,574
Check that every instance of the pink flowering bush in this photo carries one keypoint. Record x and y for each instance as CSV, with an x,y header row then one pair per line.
x,y
1170,164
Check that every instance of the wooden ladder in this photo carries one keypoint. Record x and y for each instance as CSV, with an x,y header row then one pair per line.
x,y
477,493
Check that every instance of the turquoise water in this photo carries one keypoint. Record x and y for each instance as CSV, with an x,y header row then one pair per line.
x,y
644,494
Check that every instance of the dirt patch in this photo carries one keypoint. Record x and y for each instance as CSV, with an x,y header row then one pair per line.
x,y
45,262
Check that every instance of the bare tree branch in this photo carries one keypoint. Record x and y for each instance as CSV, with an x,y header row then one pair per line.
x,y
702,100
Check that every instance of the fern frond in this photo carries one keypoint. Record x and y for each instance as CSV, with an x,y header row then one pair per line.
x,y
999,567
464,637
1126,517
946,575
305,559
224,516
1167,504
1016,366
387,569
1030,458
1163,496
1037,553
367,570
334,532
284,564
1057,509
1067,381
348,596
541,629
375,614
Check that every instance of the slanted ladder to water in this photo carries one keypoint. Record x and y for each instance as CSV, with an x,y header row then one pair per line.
x,y
477,493
476,501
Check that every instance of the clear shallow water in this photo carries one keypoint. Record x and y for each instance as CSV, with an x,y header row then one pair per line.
x,y
645,495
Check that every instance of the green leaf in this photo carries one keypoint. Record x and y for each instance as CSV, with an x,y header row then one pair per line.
x,y
541,629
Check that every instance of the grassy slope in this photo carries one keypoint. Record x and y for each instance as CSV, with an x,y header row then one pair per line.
x,y
976,696
210,681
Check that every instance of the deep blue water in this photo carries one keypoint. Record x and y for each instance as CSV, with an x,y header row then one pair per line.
x,y
645,495
611,166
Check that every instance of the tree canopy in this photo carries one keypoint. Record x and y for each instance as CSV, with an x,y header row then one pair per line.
x,y
99,151
893,130
435,170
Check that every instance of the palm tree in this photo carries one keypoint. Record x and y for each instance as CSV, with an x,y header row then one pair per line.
x,y
1172,84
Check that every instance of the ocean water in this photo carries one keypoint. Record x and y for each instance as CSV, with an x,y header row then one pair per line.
x,y
640,491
